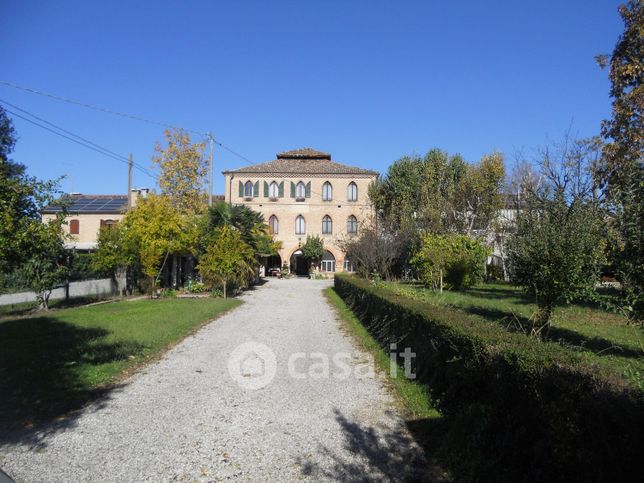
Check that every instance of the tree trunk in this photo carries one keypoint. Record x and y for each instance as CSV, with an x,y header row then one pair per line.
x,y
541,321
441,280
173,272
225,295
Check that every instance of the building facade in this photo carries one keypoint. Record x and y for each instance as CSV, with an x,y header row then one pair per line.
x,y
301,193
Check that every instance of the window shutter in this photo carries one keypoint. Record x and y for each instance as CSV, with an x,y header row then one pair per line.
x,y
74,227
265,189
241,189
256,189
308,189
292,189
281,189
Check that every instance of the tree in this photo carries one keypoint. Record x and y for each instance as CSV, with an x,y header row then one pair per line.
x,y
250,223
113,254
156,229
458,260
47,264
383,250
21,199
313,249
622,170
227,260
183,171
557,249
477,197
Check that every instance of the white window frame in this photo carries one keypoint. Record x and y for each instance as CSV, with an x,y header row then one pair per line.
x,y
348,266
248,193
274,224
300,190
300,225
352,225
327,225
352,191
327,191
273,190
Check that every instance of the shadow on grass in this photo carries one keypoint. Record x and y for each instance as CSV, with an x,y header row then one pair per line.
x,y
389,454
45,372
519,323
16,310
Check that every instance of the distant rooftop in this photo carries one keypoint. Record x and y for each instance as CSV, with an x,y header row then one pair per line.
x,y
77,203
302,161
95,204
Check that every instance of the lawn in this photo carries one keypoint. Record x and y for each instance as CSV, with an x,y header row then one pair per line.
x,y
56,361
600,336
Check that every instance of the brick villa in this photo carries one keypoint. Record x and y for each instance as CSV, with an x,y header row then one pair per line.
x,y
301,193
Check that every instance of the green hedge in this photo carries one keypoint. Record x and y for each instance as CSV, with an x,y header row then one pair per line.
x,y
518,409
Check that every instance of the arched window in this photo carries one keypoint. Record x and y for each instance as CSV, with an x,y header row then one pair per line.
x,y
300,225
274,224
327,225
327,191
273,190
352,192
327,264
248,189
300,190
352,224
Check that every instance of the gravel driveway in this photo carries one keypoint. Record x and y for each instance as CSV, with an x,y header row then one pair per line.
x,y
186,418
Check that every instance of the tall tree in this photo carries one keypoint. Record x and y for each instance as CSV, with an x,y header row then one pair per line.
x,y
623,167
227,260
183,170
21,198
155,229
557,248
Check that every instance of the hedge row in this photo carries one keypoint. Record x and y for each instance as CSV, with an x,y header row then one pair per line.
x,y
517,409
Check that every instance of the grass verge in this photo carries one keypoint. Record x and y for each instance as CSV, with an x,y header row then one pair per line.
x,y
414,397
53,362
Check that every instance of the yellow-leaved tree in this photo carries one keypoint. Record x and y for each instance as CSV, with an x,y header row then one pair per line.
x,y
155,228
183,171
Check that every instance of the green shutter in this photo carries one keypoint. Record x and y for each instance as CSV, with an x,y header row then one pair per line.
x,y
292,189
256,189
308,190
265,189
241,189
281,189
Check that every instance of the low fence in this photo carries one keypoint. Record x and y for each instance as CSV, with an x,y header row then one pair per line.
x,y
103,287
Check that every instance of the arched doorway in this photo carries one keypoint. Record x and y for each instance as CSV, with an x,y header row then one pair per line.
x,y
327,264
272,265
299,265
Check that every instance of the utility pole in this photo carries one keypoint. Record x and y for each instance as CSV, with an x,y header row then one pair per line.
x,y
212,147
129,181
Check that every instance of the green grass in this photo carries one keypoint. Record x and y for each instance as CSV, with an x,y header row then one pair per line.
x,y
24,308
52,362
598,335
415,397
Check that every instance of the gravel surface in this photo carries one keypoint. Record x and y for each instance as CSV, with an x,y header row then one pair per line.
x,y
186,418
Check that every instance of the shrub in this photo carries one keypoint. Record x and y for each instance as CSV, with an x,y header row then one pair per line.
x,y
457,260
518,409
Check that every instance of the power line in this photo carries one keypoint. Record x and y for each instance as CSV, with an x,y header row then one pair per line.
x,y
96,108
81,141
98,146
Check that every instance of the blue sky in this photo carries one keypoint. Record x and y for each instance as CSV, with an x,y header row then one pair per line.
x,y
368,81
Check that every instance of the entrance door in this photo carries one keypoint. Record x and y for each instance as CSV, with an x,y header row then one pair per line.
x,y
299,264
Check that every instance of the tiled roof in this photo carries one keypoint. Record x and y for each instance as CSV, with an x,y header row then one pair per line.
x,y
302,161
109,204
303,153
